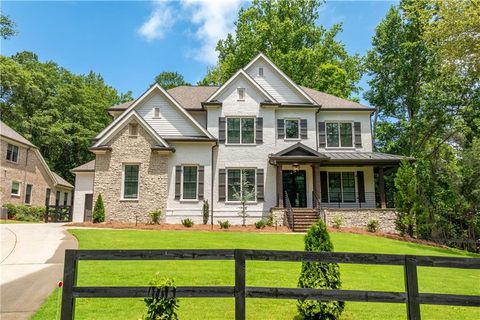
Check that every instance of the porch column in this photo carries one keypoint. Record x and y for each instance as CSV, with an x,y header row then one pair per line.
x,y
279,186
316,183
381,188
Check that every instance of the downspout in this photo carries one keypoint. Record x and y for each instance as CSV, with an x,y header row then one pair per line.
x,y
316,128
211,182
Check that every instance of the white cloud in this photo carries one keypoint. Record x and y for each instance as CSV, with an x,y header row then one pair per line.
x,y
159,22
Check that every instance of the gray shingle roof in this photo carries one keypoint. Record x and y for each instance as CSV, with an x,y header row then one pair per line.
x,y
328,101
61,181
191,97
121,106
8,132
89,166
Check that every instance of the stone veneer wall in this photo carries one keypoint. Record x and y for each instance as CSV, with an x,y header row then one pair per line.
x,y
153,177
359,218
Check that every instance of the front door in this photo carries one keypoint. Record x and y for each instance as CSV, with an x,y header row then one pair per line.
x,y
295,185
88,207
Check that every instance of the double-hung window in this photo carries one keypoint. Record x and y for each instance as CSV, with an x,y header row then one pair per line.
x,y
15,188
240,130
28,194
341,186
65,198
190,182
292,128
12,153
58,194
241,185
130,181
339,135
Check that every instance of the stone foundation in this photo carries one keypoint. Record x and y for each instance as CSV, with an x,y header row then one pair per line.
x,y
278,215
359,218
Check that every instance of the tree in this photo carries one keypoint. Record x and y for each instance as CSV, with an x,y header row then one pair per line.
x,y
7,27
318,275
245,192
168,80
286,31
99,210
406,199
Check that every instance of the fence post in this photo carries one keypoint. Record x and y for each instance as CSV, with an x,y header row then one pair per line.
x,y
411,287
239,284
69,281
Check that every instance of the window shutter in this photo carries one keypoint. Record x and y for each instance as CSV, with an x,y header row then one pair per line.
x,y
361,186
324,186
280,129
303,129
358,134
260,185
178,181
221,184
201,174
221,129
321,135
259,131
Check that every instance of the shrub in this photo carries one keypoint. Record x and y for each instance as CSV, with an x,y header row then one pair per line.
x,y
337,222
260,224
318,276
372,226
187,223
11,210
24,213
155,216
224,224
99,210
270,219
161,305
205,211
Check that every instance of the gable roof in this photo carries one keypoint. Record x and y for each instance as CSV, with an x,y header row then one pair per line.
x,y
61,181
86,167
298,152
11,134
191,97
328,101
239,73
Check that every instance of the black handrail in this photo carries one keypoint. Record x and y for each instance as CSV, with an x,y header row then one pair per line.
x,y
317,204
289,212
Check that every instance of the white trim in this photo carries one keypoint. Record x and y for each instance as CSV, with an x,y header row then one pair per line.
x,y
338,122
241,72
19,193
122,187
18,153
290,81
241,94
155,111
240,143
182,199
254,184
299,137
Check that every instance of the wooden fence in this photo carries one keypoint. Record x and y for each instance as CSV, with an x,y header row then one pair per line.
x,y
411,297
58,213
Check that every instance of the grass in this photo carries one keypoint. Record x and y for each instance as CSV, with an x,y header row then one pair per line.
x,y
9,221
280,274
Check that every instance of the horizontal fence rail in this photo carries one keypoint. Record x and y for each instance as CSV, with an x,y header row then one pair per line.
x,y
411,297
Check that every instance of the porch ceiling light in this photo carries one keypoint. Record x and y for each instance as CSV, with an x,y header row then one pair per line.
x,y
296,167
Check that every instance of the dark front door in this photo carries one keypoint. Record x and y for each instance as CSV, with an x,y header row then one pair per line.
x,y
295,185
88,207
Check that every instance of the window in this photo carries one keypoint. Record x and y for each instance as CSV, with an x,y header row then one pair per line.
x,y
241,93
341,186
130,181
292,129
47,196
12,153
339,134
241,184
28,194
260,72
189,182
156,112
15,188
133,129
65,198
240,130
57,197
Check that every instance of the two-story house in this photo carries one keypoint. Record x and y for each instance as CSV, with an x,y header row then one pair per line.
x,y
259,135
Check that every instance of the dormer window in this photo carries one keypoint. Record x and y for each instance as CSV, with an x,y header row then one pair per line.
x,y
133,129
156,112
241,94
260,72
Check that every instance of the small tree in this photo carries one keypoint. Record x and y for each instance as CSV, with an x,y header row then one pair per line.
x,y
205,210
245,193
99,210
406,199
318,275
162,303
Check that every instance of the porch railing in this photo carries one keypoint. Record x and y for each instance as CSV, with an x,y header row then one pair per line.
x,y
350,200
289,212
317,204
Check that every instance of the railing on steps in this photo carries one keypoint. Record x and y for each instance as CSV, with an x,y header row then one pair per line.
x,y
317,204
289,213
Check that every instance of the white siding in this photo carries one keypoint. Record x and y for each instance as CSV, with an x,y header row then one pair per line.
x,y
83,186
172,122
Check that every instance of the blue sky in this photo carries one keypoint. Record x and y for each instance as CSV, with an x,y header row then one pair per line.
x,y
129,42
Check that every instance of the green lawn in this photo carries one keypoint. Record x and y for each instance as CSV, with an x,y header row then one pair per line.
x,y
3,221
280,274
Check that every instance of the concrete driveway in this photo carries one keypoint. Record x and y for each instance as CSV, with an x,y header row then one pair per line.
x,y
31,264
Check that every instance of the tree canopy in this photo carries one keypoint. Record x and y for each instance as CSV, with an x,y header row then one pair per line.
x,y
287,32
168,80
7,27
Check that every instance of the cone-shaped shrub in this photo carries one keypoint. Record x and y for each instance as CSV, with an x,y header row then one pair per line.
x,y
99,210
318,276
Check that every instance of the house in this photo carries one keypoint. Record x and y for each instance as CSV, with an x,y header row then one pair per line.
x,y
26,177
260,134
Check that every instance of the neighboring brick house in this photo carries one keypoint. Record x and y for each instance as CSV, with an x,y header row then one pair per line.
x,y
286,145
26,177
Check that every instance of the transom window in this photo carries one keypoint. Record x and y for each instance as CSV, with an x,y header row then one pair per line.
x,y
130,181
12,153
341,186
240,130
339,134
28,194
15,188
241,184
292,128
241,93
190,178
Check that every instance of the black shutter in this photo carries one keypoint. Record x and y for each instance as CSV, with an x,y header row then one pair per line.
x,y
280,129
259,131
358,134
321,135
361,186
201,174
260,188
324,186
303,129
221,129
221,184
178,181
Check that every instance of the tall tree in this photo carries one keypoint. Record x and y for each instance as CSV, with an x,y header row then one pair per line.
x,y
287,32
168,80
7,27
